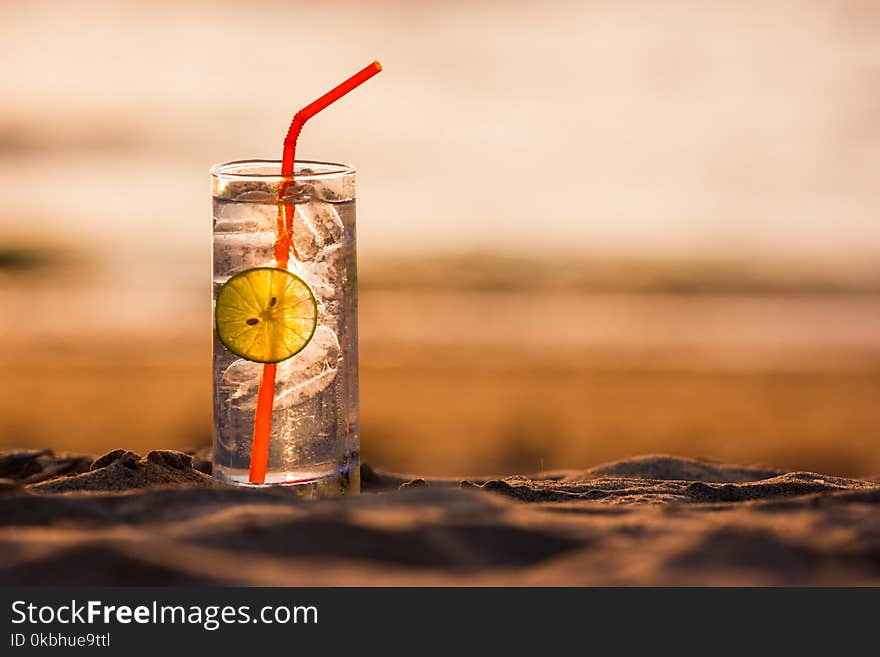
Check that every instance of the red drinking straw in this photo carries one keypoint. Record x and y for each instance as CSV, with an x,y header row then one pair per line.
x,y
283,247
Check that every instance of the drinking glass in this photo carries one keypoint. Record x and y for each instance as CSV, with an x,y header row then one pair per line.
x,y
314,440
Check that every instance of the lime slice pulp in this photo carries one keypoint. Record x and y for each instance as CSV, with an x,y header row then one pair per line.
x,y
265,314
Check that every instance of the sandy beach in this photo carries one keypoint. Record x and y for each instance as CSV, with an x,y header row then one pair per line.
x,y
655,520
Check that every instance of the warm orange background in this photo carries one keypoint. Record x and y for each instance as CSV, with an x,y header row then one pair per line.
x,y
586,230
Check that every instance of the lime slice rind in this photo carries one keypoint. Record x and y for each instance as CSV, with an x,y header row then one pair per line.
x,y
265,314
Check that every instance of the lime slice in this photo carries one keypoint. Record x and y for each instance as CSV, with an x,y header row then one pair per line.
x,y
265,314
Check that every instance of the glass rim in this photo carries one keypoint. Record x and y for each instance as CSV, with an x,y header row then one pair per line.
x,y
239,170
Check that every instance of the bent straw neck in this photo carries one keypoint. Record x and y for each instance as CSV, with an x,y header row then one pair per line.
x,y
289,156
307,112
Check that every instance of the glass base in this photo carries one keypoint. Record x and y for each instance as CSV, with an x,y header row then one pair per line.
x,y
325,480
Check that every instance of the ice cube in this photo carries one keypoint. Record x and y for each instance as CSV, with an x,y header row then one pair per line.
x,y
298,193
238,251
297,379
257,196
252,210
334,189
310,371
328,274
316,228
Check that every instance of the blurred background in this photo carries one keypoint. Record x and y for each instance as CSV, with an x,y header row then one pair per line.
x,y
586,230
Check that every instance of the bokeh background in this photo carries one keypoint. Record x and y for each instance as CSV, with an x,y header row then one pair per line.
x,y
587,229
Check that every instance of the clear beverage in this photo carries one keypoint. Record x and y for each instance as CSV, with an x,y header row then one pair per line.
x,y
314,441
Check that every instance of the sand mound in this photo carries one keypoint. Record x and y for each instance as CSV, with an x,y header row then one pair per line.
x,y
122,470
661,466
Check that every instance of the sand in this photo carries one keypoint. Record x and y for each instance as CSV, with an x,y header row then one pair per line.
x,y
123,519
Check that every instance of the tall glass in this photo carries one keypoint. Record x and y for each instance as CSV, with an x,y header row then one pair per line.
x,y
314,442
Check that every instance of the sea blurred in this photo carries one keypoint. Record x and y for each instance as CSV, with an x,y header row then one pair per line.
x,y
586,230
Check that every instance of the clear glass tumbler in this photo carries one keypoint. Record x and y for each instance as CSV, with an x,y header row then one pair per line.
x,y
314,441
